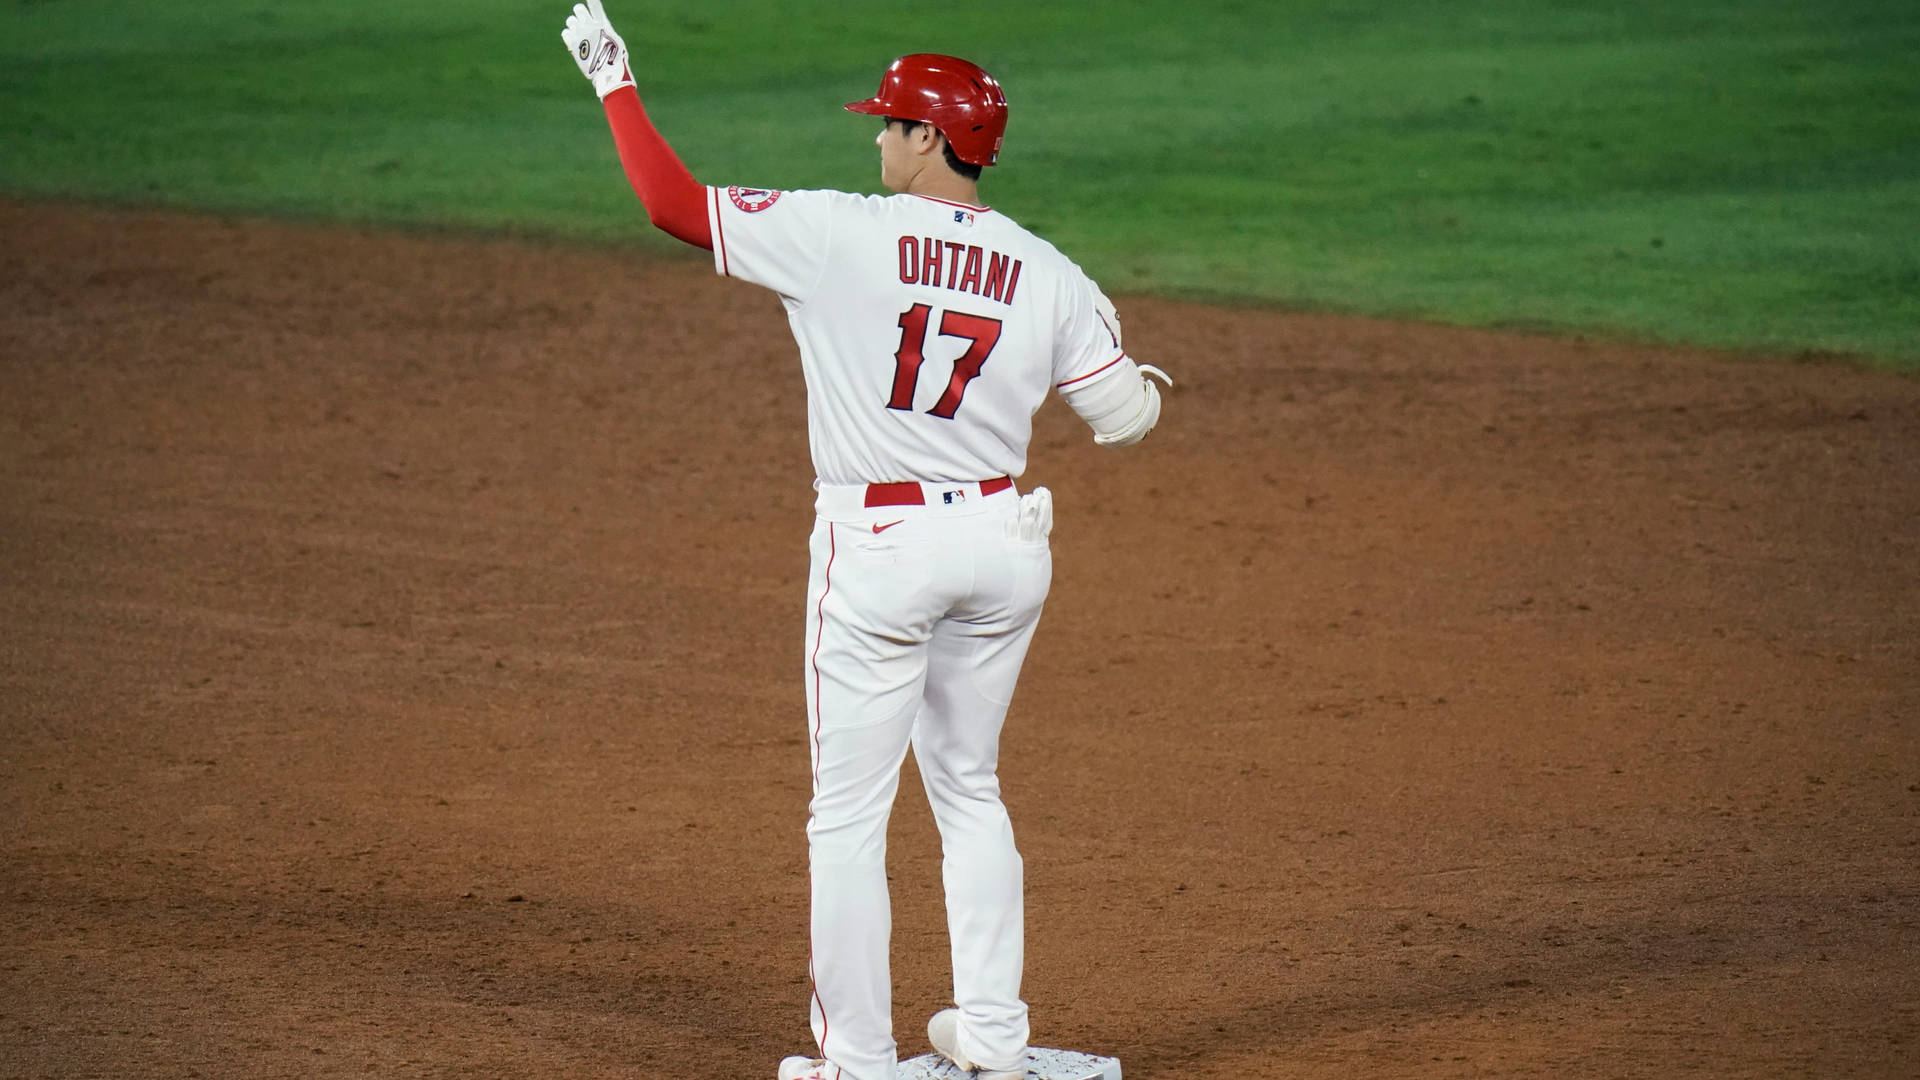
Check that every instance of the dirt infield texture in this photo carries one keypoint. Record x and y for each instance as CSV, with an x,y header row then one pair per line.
x,y
400,649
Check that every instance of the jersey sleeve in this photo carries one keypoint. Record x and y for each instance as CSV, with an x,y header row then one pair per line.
x,y
779,239
1085,345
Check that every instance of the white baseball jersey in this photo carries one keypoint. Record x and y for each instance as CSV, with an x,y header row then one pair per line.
x,y
929,331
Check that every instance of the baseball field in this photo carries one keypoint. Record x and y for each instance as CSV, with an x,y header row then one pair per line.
x,y
1504,659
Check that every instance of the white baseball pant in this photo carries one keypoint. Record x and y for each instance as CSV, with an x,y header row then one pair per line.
x,y
918,619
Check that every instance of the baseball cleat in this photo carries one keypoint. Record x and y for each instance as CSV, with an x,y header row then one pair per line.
x,y
943,1031
806,1068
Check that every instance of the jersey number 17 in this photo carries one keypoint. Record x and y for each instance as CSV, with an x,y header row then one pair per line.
x,y
980,332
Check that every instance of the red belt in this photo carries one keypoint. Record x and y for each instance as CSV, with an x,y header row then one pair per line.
x,y
909,493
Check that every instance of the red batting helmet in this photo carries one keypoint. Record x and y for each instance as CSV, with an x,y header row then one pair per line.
x,y
956,97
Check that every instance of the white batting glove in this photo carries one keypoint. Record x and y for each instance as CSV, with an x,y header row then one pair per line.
x,y
1035,520
599,52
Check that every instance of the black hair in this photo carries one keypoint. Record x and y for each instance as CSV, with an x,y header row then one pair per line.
x,y
965,168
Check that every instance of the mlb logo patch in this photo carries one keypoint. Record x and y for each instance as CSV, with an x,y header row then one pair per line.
x,y
951,497
963,217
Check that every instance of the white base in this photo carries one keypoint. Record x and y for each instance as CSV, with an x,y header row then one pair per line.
x,y
1042,1064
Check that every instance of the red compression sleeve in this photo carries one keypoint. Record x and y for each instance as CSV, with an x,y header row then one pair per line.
x,y
674,200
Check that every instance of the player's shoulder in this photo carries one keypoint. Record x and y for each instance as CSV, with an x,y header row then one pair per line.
x,y
1045,255
1037,248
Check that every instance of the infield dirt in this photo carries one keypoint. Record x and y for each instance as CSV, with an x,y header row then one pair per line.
x,y
400,650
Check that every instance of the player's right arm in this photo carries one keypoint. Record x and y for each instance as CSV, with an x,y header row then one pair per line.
x,y
675,202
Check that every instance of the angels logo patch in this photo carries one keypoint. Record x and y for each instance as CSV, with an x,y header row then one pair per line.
x,y
752,200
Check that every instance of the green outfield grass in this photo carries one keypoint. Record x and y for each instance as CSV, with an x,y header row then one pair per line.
x,y
1724,172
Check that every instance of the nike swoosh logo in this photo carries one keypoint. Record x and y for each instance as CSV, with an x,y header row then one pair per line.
x,y
878,529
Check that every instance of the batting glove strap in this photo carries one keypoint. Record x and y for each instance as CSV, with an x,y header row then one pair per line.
x,y
597,50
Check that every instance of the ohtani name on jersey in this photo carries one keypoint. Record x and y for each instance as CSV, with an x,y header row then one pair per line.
x,y
965,268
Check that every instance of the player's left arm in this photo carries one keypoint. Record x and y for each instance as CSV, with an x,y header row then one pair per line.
x,y
1115,398
675,202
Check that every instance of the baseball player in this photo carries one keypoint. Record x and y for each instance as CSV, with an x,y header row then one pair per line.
x,y
930,330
